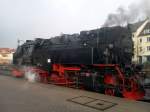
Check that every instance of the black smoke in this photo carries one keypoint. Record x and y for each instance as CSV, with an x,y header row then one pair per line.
x,y
133,13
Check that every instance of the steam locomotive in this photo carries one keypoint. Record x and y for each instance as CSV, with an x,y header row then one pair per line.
x,y
96,60
101,46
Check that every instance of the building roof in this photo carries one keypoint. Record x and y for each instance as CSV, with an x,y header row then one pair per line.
x,y
147,27
6,50
135,26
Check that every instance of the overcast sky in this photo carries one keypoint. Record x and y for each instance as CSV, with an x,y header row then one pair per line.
x,y
29,19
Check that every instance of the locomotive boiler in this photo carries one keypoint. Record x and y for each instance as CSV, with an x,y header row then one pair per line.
x,y
106,45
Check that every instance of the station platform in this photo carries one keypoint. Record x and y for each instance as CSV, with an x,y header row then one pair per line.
x,y
19,95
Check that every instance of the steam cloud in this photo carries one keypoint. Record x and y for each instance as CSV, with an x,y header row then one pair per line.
x,y
30,75
134,13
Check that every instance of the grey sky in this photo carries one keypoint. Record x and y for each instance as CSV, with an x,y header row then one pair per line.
x,y
29,19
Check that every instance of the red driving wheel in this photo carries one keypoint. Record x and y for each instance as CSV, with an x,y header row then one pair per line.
x,y
110,91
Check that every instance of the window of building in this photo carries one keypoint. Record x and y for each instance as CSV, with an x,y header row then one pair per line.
x,y
140,59
133,35
146,31
140,40
148,58
140,49
148,39
148,48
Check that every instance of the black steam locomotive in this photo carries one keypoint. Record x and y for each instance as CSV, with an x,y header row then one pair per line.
x,y
91,59
109,45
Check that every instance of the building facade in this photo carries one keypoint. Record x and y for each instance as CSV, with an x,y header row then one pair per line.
x,y
6,55
141,40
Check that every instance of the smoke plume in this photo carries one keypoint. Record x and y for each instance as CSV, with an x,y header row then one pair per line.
x,y
134,12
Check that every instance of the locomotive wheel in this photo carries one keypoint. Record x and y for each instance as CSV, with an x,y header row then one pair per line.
x,y
134,91
110,91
